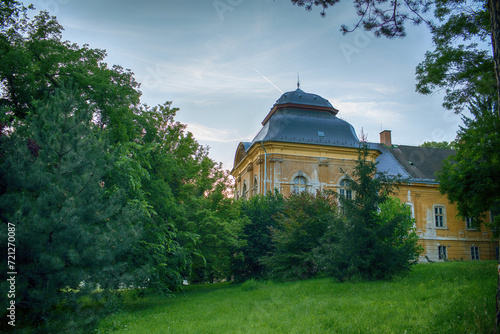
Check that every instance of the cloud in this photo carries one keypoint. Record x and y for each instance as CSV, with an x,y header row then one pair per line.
x,y
208,134
375,110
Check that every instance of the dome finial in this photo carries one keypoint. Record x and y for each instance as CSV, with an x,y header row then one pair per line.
x,y
298,81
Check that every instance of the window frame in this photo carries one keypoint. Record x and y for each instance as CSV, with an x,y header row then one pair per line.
x,y
468,224
255,188
298,187
474,253
412,209
343,189
442,252
244,190
441,215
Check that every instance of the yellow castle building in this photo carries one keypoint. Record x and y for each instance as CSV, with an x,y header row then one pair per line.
x,y
304,146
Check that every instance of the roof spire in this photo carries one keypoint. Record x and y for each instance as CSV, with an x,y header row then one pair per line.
x,y
298,81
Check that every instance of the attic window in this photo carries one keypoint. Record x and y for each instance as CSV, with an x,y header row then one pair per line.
x,y
321,134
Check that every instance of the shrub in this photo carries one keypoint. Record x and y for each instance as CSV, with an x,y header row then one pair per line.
x,y
305,220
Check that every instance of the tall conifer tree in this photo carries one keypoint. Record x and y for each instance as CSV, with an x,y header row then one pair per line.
x,y
377,240
73,235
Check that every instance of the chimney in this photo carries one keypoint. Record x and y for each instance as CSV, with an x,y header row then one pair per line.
x,y
385,138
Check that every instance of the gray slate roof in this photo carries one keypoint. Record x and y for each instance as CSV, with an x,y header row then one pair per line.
x,y
298,96
307,127
419,163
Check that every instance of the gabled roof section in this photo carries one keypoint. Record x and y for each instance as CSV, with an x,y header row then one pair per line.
x,y
420,162
298,99
415,163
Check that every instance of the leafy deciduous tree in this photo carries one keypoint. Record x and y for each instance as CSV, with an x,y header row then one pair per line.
x,y
35,61
471,177
442,144
262,212
460,65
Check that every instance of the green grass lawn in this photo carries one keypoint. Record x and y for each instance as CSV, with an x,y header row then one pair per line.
x,y
452,297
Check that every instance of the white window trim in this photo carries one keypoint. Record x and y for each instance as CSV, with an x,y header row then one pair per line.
x,y
412,209
341,188
445,224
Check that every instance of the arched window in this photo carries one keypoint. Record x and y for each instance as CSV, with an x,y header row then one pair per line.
x,y
244,192
255,185
344,189
299,184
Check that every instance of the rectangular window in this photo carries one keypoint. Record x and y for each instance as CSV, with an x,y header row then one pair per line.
x,y
469,223
347,193
474,253
442,252
439,216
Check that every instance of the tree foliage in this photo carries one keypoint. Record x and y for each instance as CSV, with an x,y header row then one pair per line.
x,y
36,61
466,35
300,227
262,213
377,240
151,194
384,18
73,234
461,64
471,177
441,144
218,223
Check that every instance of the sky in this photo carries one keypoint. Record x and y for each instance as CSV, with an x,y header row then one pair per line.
x,y
224,63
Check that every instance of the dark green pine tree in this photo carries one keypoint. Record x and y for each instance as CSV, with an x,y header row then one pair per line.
x,y
73,235
377,240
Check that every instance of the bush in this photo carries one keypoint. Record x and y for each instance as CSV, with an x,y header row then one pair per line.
x,y
305,220
261,212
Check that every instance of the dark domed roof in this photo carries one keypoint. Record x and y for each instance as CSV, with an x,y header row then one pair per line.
x,y
307,127
300,117
300,97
